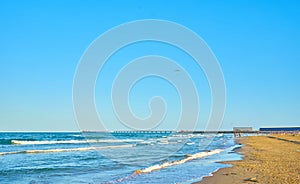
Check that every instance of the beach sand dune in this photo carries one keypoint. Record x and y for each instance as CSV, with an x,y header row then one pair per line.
x,y
268,159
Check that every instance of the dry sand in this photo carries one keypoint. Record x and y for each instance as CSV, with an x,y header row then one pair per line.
x,y
273,159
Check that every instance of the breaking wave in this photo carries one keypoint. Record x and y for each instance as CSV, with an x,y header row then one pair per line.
x,y
178,162
65,150
74,141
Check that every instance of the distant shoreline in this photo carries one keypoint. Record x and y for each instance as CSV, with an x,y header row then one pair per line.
x,y
163,131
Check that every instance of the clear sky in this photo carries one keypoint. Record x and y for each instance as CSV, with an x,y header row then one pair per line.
x,y
257,44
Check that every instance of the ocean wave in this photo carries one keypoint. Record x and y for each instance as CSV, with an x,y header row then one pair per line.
x,y
178,162
22,142
65,150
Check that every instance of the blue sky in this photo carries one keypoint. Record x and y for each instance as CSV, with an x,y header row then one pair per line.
x,y
256,42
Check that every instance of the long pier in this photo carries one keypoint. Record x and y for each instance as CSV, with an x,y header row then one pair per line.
x,y
145,131
188,132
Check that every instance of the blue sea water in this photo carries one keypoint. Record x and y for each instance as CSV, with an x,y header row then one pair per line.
x,y
112,157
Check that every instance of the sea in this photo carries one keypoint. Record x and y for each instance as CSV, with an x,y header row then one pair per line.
x,y
112,157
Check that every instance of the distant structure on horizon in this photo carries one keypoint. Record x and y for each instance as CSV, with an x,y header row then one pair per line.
x,y
284,129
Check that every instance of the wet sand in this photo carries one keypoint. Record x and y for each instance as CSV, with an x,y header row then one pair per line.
x,y
267,159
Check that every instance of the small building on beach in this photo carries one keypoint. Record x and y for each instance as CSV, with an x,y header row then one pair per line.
x,y
239,130
242,129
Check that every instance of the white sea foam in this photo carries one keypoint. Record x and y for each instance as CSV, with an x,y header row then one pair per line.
x,y
12,152
190,143
77,135
75,141
188,158
66,149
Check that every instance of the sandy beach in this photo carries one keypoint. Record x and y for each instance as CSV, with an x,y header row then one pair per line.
x,y
267,159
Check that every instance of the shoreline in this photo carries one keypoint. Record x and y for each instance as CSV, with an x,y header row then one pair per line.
x,y
264,161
